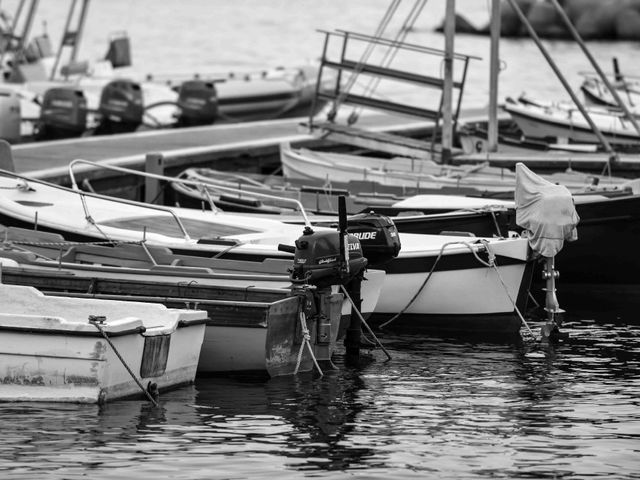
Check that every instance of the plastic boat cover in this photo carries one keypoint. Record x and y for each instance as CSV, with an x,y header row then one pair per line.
x,y
546,212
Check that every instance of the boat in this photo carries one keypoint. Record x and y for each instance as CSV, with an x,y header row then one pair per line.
x,y
110,96
265,94
563,122
409,177
59,349
596,93
401,175
473,138
245,308
84,216
235,192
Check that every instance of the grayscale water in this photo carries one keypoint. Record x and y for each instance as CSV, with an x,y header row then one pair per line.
x,y
441,408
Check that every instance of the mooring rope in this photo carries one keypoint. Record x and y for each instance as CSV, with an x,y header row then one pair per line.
x,y
306,340
96,321
490,264
492,261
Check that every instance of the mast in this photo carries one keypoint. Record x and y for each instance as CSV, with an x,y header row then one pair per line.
x,y
494,70
447,92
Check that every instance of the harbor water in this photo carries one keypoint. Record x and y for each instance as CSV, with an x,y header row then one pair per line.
x,y
441,408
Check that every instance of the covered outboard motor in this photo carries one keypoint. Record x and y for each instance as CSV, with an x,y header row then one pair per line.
x,y
378,236
198,103
63,113
10,115
121,107
318,260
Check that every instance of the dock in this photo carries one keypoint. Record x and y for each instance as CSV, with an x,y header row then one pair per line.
x,y
251,145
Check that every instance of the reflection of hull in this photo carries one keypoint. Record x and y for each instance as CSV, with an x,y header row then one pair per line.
x,y
49,352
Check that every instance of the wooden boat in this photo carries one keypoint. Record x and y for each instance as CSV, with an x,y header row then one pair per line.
x,y
255,310
250,330
235,192
50,350
473,137
489,307
564,122
158,264
410,177
602,215
596,92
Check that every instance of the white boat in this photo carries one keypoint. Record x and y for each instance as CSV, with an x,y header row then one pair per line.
x,y
411,176
49,351
251,315
596,92
564,122
404,174
409,285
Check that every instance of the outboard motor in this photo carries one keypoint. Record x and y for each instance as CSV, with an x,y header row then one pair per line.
x,y
318,259
121,107
378,236
63,113
198,103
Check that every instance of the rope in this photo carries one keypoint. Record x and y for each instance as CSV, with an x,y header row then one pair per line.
x,y
71,244
424,284
366,54
95,321
306,340
492,261
392,51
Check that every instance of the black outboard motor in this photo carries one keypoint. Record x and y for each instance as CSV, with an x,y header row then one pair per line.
x,y
198,103
378,236
318,260
121,107
63,114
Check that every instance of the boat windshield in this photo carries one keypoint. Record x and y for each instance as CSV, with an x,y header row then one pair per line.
x,y
166,225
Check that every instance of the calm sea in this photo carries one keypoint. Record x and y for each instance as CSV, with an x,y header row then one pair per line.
x,y
439,408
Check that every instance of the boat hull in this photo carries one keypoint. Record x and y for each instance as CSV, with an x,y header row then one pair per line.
x,y
44,357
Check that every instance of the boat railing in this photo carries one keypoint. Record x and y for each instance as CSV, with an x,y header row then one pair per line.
x,y
203,186
82,194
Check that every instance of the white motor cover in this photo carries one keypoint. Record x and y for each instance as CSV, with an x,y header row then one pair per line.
x,y
546,211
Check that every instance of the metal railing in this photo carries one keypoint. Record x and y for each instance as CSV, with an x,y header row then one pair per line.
x,y
199,184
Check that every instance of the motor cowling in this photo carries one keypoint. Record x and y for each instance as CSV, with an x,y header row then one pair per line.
x,y
317,258
121,107
198,103
63,113
378,236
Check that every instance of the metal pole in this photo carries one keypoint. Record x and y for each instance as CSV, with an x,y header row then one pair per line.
x,y
81,20
64,33
494,69
593,61
19,52
447,92
564,82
